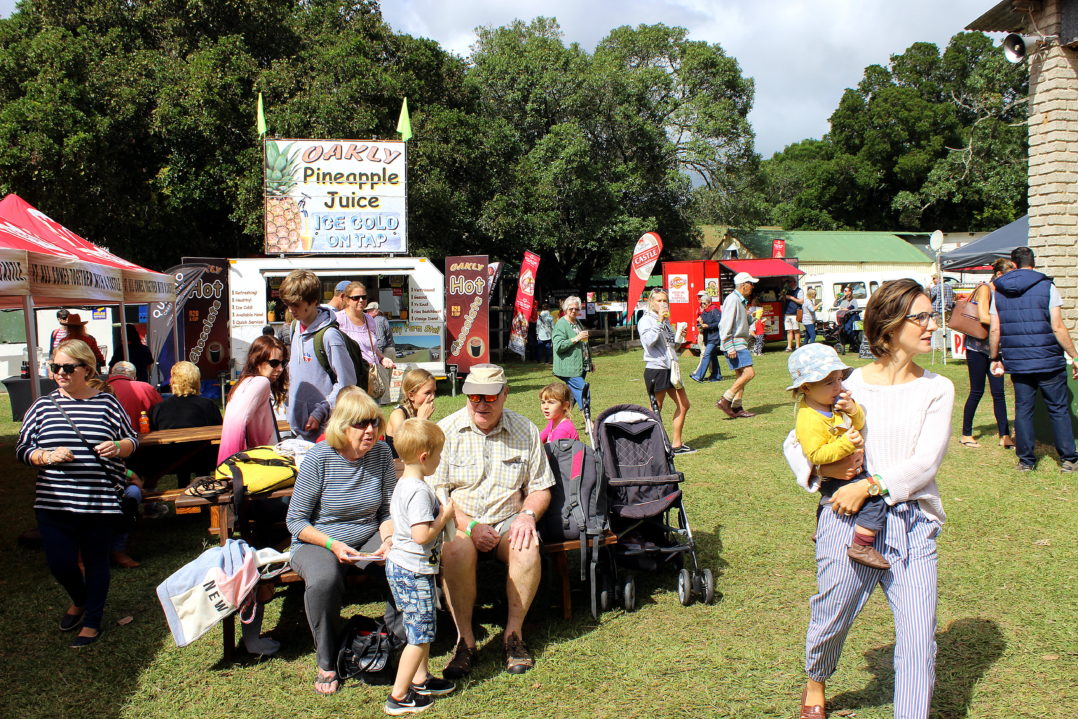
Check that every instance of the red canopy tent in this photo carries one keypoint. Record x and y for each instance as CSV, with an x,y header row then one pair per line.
x,y
44,263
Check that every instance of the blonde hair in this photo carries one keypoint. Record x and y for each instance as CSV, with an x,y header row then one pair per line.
x,y
353,405
416,436
353,286
811,292
558,391
185,379
80,352
413,379
655,292
300,286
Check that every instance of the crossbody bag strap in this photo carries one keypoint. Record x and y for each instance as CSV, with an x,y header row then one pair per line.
x,y
119,486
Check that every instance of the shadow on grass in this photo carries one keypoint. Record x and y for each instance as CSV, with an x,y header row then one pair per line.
x,y
966,650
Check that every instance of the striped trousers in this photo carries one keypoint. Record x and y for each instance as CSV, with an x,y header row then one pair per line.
x,y
908,541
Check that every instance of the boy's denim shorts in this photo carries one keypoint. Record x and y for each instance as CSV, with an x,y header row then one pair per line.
x,y
414,595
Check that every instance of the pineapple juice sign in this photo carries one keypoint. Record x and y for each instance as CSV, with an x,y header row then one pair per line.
x,y
330,197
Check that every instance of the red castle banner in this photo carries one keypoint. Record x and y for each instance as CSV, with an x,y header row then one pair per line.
x,y
525,302
467,308
645,255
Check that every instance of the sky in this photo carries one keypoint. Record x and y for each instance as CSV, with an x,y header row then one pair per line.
x,y
802,53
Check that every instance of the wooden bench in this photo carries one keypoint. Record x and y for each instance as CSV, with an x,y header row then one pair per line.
x,y
559,556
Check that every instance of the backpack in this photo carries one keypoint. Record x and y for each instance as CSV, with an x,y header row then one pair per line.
x,y
578,508
355,353
368,651
259,470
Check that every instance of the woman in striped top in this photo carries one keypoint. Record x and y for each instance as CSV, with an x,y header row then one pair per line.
x,y
77,499
340,508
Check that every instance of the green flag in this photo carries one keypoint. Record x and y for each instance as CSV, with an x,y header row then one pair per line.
x,y
261,117
404,124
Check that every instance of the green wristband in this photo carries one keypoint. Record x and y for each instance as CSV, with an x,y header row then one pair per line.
x,y
471,525
329,544
115,442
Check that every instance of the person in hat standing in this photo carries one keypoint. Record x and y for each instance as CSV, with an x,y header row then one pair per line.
x,y
791,308
735,333
708,323
76,330
495,472
383,336
339,301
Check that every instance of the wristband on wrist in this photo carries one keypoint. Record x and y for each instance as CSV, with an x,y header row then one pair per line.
x,y
117,443
128,473
329,544
471,526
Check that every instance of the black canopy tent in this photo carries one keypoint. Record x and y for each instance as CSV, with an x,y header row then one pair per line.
x,y
980,254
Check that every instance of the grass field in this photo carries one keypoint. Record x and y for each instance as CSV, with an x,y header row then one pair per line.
x,y
1008,646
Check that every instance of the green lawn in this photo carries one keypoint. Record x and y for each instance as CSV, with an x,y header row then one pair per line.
x,y
1008,646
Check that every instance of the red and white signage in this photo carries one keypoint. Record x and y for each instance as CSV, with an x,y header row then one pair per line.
x,y
645,255
525,302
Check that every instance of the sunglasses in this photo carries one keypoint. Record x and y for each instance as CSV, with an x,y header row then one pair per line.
x,y
365,423
923,318
358,298
67,367
274,363
488,398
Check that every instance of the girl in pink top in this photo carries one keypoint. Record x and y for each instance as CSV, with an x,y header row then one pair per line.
x,y
555,400
249,420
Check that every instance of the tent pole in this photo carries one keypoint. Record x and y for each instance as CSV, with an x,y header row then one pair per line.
x,y
31,346
123,332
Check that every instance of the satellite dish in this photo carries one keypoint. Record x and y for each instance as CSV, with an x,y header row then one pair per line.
x,y
936,241
1016,47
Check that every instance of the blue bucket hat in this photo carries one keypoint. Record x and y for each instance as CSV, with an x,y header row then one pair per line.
x,y
812,363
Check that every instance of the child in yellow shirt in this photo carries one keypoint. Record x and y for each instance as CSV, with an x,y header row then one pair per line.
x,y
828,427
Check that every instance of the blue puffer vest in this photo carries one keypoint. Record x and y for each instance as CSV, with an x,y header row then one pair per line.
x,y
1026,341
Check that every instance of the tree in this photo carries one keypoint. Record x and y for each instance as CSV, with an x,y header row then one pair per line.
x,y
932,141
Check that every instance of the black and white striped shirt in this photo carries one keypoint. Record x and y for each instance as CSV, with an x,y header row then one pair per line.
x,y
88,483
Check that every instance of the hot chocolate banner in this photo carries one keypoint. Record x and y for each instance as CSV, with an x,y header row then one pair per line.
x,y
467,309
525,303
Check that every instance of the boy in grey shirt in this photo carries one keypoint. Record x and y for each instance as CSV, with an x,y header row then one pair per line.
x,y
412,563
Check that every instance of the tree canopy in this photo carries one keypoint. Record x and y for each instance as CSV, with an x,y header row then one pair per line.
x,y
934,140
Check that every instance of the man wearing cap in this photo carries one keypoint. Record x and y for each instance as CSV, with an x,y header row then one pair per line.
x,y
734,336
708,324
338,301
791,305
495,470
383,335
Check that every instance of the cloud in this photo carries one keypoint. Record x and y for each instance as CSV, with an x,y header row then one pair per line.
x,y
802,55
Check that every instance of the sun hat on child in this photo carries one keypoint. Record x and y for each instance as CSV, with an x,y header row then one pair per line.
x,y
812,363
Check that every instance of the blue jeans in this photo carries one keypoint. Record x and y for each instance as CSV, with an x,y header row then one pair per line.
x,y
545,351
709,359
979,370
743,360
1057,397
576,386
120,543
810,333
66,535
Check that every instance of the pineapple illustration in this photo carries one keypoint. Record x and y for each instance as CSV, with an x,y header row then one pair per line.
x,y
283,219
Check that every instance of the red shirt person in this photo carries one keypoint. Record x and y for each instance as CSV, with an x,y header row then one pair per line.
x,y
135,397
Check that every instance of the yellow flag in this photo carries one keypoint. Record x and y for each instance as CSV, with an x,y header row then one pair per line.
x,y
261,117
404,124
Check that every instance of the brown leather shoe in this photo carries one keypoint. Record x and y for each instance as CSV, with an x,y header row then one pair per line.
x,y
724,405
517,657
743,413
867,556
811,712
461,663
121,559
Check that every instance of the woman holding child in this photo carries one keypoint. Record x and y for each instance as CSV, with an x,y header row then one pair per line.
x,y
907,427
340,509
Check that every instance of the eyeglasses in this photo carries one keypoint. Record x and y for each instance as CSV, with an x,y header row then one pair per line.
x,y
358,298
274,363
488,398
67,367
365,423
923,318
573,309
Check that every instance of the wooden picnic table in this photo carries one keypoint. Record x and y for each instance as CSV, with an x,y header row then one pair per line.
x,y
210,434
167,450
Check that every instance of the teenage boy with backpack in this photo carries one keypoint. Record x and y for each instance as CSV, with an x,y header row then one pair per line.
x,y
312,388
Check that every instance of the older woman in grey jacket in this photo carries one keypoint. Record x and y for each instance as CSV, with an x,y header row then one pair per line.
x,y
657,338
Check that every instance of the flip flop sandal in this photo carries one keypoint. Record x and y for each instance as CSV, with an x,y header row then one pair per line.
x,y
329,678
969,443
208,488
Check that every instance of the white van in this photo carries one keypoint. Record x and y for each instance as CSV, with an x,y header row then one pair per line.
x,y
829,287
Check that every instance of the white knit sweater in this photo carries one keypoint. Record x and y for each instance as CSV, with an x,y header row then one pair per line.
x,y
907,428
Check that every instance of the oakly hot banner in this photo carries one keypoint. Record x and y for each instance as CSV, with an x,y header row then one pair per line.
x,y
467,310
525,303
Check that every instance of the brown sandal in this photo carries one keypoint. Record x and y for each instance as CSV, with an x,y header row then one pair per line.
x,y
329,678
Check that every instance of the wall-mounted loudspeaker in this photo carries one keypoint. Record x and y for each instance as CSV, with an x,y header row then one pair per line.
x,y
1016,47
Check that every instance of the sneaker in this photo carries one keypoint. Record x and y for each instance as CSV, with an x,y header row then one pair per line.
x,y
71,622
1023,467
461,663
694,378
517,657
434,687
867,556
684,449
1069,465
411,704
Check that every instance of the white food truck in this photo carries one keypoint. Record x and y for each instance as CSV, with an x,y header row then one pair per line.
x,y
410,292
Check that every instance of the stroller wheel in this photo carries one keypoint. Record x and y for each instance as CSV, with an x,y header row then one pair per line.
x,y
708,580
628,594
606,594
840,348
684,587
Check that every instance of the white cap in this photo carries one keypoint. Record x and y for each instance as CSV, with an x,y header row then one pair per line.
x,y
743,277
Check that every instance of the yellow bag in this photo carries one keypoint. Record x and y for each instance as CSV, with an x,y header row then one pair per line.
x,y
260,469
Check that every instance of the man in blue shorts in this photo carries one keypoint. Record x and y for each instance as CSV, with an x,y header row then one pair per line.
x,y
735,334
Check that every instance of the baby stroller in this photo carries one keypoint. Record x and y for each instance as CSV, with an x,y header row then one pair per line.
x,y
646,505
845,330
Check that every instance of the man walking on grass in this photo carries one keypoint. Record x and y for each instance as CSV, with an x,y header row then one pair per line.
x,y
734,337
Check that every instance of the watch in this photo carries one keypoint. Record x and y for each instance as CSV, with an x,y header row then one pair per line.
x,y
530,513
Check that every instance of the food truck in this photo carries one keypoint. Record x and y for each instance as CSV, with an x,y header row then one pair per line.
x,y
410,291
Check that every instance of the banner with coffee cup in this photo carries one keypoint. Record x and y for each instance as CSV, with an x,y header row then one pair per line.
x,y
467,310
525,302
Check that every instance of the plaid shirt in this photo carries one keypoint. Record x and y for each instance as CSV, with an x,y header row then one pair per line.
x,y
488,475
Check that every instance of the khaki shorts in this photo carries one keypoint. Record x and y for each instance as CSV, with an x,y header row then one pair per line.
x,y
790,322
